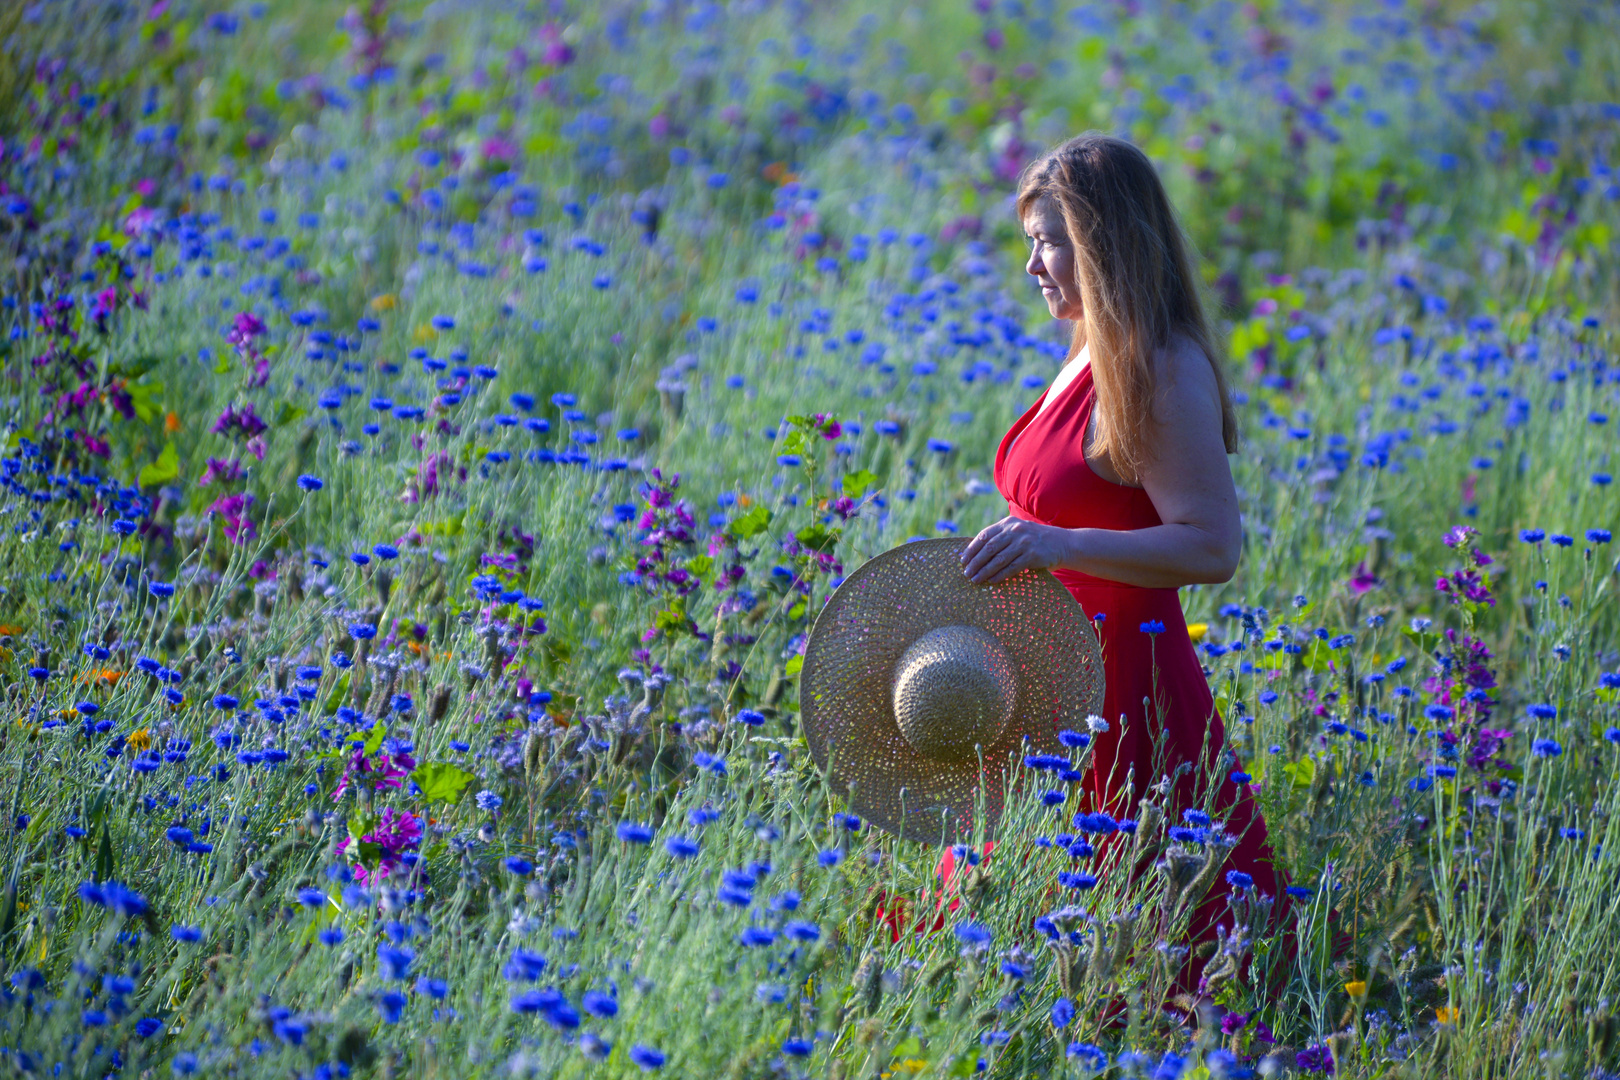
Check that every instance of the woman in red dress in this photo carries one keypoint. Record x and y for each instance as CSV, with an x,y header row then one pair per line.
x,y
1117,480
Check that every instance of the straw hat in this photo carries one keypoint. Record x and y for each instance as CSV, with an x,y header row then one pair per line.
x,y
913,675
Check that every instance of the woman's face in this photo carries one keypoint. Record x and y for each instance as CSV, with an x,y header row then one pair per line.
x,y
1051,259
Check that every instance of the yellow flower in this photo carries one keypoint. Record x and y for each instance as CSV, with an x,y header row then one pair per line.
x,y
384,302
1446,1015
1197,630
140,739
1356,989
424,332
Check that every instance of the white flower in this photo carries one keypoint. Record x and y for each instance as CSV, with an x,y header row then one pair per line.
x,y
1097,724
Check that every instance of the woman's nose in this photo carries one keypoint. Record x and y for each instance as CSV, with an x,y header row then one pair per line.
x,y
1033,266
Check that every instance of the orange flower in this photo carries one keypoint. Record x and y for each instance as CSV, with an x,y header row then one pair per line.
x,y
110,676
744,500
9,630
171,423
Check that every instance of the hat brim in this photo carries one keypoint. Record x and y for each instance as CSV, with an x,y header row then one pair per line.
x,y
846,702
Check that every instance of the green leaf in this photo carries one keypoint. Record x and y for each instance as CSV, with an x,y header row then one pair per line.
x,y
142,398
793,665
166,468
818,537
134,368
793,443
286,412
750,523
362,823
374,738
1301,772
442,781
700,566
104,856
1319,657
858,483
673,620
1425,641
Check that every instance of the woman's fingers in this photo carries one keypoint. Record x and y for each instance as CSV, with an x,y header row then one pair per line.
x,y
992,569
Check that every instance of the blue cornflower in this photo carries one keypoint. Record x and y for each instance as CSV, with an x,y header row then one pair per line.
x,y
311,898
1542,712
1239,880
185,934
1546,748
830,857
396,960
599,1004
972,933
1088,1057
391,1003
516,864
750,717
647,1057
1152,626
681,847
362,631
756,936
488,800
1298,892
119,898
632,832
1598,536
524,966
1532,536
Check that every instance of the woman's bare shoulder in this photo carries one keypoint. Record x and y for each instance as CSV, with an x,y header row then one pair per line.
x,y
1186,378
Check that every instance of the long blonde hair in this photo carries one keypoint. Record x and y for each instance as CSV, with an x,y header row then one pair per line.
x,y
1137,280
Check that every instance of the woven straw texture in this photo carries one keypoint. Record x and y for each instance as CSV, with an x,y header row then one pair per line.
x,y
909,665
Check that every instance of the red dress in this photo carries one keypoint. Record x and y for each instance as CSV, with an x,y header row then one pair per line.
x,y
1041,470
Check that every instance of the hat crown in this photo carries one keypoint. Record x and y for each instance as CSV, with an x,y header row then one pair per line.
x,y
955,688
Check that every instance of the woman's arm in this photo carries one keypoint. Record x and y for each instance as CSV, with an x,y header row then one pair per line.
x,y
1190,483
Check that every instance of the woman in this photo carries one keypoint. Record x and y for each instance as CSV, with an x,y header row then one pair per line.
x,y
1117,478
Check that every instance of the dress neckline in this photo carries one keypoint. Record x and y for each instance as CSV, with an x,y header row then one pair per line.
x,y
1038,412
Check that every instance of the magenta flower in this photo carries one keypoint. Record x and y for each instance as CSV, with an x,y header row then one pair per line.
x,y
244,329
1363,580
223,471
245,422
233,508
398,832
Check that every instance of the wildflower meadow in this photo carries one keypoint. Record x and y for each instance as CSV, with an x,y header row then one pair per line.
x,y
431,430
